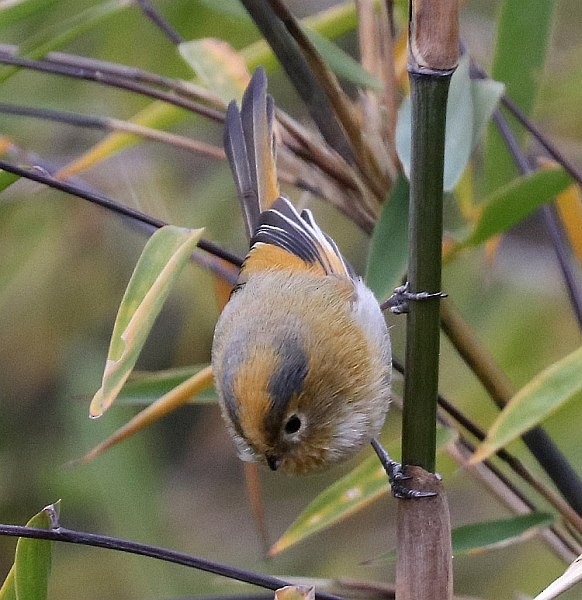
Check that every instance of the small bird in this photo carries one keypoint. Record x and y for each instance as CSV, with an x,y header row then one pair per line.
x,y
301,353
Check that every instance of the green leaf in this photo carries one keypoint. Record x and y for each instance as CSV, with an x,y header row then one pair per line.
x,y
469,107
363,485
146,388
332,22
28,578
160,263
65,32
7,179
388,255
13,12
341,63
515,201
523,36
8,589
218,66
351,493
479,537
543,395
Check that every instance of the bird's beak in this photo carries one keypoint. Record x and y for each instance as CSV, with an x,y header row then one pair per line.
x,y
273,461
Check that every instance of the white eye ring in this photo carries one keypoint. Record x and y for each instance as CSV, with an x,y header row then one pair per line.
x,y
293,424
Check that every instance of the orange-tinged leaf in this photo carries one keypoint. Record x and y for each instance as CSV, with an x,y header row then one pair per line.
x,y
542,396
160,263
180,395
295,592
569,204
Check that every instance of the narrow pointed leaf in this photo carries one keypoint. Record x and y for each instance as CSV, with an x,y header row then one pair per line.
x,y
13,12
218,66
332,22
388,254
512,203
469,107
143,388
28,578
569,205
523,38
163,406
542,396
479,537
8,589
7,179
363,485
571,576
341,63
162,259
367,482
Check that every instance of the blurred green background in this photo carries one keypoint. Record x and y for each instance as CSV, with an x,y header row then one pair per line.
x,y
63,269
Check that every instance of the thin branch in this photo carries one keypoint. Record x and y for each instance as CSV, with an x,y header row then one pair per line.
x,y
43,177
61,534
188,89
160,22
109,124
111,80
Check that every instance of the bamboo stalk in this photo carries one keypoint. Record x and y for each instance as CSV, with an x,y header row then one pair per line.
x,y
424,567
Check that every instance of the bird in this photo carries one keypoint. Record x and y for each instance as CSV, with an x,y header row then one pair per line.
x,y
301,352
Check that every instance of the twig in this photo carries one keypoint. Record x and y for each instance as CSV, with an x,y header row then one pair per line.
x,y
61,534
109,124
111,80
160,22
43,177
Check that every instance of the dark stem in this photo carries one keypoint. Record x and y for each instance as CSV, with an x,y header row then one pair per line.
x,y
60,534
45,178
111,80
160,22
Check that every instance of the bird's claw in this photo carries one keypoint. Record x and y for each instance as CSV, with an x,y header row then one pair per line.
x,y
397,475
398,303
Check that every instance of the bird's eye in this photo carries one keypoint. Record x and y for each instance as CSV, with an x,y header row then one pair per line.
x,y
293,425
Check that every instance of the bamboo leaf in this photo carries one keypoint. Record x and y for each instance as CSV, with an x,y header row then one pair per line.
x,y
143,388
28,578
520,52
480,537
571,576
8,589
332,22
7,179
218,66
469,108
13,12
360,487
515,201
542,396
569,205
295,592
341,63
162,259
388,253
353,492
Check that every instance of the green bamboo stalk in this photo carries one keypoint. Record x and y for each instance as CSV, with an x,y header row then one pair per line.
x,y
429,99
424,567
433,48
